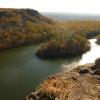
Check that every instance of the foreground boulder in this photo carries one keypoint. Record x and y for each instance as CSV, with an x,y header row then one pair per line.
x,y
96,65
97,62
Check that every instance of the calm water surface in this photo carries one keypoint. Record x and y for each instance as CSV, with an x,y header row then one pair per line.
x,y
91,55
21,71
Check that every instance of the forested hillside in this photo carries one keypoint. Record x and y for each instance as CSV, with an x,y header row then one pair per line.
x,y
17,26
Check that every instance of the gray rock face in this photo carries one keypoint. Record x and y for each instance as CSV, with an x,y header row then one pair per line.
x,y
97,72
97,62
85,70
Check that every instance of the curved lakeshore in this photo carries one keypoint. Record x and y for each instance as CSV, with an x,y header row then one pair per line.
x,y
20,66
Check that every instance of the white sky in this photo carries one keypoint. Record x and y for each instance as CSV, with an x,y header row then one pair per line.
x,y
69,6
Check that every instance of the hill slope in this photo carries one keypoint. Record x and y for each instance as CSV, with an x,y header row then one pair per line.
x,y
16,16
16,26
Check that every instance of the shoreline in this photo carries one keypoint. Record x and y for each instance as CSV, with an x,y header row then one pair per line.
x,y
80,82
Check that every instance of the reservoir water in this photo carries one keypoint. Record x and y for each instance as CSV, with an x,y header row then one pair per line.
x,y
90,56
21,71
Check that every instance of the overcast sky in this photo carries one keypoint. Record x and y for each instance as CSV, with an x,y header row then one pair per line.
x,y
69,6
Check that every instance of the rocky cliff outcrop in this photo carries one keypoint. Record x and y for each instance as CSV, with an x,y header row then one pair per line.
x,y
82,83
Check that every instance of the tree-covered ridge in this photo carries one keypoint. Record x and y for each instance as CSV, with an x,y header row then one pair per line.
x,y
89,28
27,26
17,25
20,16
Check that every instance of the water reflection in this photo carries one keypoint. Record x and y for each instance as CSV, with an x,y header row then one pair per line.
x,y
71,63
88,57
91,55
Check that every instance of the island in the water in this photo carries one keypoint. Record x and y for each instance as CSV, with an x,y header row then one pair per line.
x,y
55,39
